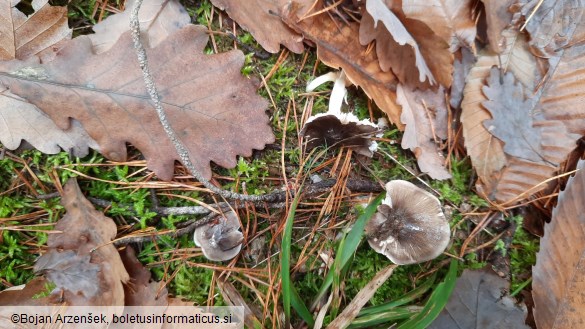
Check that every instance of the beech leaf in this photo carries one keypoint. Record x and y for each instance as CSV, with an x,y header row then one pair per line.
x,y
158,19
452,20
212,107
403,43
424,114
479,301
336,47
260,18
80,261
553,25
558,278
498,17
23,36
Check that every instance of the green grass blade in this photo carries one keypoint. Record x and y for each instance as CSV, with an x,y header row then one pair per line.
x,y
290,296
285,259
405,299
300,307
392,315
436,302
352,241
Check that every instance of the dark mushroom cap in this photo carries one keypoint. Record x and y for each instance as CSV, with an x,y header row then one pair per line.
x,y
220,239
410,226
343,129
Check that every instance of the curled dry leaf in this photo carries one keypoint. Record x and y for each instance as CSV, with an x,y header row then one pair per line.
x,y
336,47
558,285
158,19
424,113
403,44
23,36
80,261
464,61
260,18
215,120
452,20
141,290
478,301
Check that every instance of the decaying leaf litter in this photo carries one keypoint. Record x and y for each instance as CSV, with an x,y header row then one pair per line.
x,y
519,123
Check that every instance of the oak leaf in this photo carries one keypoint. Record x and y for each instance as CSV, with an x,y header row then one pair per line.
x,y
452,20
214,110
403,44
158,19
80,261
486,151
337,48
424,113
260,18
479,301
558,278
537,145
23,36
20,120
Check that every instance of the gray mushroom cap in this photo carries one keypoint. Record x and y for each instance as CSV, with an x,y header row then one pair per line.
x,y
220,239
409,226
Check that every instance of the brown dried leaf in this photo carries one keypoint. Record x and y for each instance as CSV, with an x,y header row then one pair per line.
x,y
260,18
452,20
538,145
558,98
215,120
23,36
158,19
337,48
485,151
140,290
477,302
558,285
424,113
464,61
403,44
23,294
498,18
554,25
20,120
80,261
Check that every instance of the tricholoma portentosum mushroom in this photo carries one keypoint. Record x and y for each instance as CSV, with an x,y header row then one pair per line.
x,y
409,226
220,239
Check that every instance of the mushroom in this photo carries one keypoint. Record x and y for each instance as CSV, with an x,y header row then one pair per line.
x,y
337,128
409,226
220,239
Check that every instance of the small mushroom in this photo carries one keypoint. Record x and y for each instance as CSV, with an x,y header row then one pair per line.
x,y
220,239
335,128
409,226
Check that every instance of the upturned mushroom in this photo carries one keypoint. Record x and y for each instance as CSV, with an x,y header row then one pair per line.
x,y
221,239
409,226
335,128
